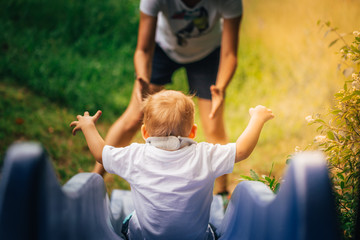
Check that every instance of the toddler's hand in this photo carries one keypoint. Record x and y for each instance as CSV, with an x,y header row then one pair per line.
x,y
84,121
262,113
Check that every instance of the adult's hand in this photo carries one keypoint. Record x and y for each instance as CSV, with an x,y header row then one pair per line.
x,y
217,100
142,89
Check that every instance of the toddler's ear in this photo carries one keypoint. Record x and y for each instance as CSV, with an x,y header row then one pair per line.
x,y
144,133
193,132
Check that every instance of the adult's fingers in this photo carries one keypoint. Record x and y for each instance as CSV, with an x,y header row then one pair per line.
x,y
144,88
214,108
138,90
212,114
214,90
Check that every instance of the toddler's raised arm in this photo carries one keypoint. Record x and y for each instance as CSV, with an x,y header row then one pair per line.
x,y
247,141
86,124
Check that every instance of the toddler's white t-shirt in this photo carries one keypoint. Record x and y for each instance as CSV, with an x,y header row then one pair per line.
x,y
172,190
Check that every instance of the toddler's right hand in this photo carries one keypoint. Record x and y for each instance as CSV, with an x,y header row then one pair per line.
x,y
261,113
84,121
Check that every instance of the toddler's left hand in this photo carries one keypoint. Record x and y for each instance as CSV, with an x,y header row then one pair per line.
x,y
262,113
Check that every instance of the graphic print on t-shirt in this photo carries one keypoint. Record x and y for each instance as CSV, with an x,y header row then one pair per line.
x,y
198,23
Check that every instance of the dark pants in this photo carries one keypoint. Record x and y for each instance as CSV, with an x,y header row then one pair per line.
x,y
201,74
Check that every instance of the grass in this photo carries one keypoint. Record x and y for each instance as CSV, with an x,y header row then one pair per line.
x,y
60,58
285,63
65,49
48,124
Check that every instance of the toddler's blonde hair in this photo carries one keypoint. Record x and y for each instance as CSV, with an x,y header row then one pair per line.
x,y
168,113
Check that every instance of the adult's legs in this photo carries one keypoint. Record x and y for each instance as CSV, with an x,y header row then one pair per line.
x,y
214,130
202,74
126,126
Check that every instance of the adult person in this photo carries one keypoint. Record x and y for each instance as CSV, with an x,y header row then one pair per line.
x,y
200,35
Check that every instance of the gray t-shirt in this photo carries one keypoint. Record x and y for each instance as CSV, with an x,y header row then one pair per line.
x,y
189,34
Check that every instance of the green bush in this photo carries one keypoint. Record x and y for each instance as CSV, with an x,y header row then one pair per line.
x,y
340,136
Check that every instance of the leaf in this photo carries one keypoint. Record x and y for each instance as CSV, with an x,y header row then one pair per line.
x,y
349,96
333,42
340,176
268,179
277,186
318,120
342,184
254,175
272,167
354,48
319,128
272,183
338,95
246,177
337,111
330,135
351,177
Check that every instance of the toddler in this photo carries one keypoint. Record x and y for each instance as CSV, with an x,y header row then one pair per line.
x,y
171,176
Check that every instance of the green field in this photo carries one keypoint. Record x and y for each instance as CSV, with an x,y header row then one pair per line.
x,y
59,58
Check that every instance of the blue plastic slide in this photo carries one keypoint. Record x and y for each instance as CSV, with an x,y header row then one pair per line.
x,y
33,205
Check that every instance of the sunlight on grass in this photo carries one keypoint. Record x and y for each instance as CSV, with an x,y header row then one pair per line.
x,y
295,73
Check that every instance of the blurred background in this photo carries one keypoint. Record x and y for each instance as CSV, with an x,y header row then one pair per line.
x,y
60,58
